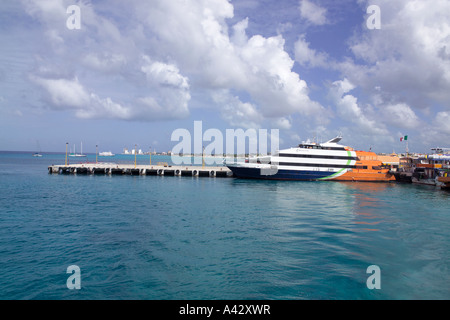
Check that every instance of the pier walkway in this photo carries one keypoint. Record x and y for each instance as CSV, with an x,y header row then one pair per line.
x,y
131,169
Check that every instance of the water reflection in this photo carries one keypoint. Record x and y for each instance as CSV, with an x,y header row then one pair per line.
x,y
367,203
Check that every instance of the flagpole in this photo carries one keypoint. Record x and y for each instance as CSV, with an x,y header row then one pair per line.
x,y
405,138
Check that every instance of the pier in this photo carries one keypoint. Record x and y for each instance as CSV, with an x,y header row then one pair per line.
x,y
140,170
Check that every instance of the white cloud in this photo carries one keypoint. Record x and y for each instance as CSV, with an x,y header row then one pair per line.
x,y
258,66
402,68
307,56
64,93
313,13
442,122
348,109
188,47
172,91
407,57
239,36
237,113
164,74
283,123
400,115
105,62
103,108
275,87
165,108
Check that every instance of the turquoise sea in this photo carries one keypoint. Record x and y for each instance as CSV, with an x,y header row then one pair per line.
x,y
165,238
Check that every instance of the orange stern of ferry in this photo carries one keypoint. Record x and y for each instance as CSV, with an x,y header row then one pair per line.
x,y
368,167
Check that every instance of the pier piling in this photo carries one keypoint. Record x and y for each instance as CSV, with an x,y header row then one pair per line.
x,y
140,170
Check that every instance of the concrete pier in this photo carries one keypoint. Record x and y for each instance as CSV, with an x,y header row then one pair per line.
x,y
145,170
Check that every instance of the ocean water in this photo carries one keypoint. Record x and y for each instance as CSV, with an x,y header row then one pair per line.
x,y
152,237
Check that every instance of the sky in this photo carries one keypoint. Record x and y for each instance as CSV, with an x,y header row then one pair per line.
x,y
123,73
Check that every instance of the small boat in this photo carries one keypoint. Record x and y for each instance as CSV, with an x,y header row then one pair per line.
x,y
74,154
445,182
38,154
106,154
405,170
429,168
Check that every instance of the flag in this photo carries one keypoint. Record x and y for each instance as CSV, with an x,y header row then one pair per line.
x,y
404,138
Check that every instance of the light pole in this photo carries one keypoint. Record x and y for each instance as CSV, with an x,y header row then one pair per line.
x,y
135,149
203,157
66,152
96,153
150,155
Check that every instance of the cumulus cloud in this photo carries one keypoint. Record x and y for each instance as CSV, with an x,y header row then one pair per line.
x,y
63,92
442,121
307,56
407,57
164,54
164,74
221,58
277,89
105,61
172,91
400,115
349,109
313,12
283,123
70,94
237,113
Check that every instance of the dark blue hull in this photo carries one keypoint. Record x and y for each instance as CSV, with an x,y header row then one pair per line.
x,y
255,173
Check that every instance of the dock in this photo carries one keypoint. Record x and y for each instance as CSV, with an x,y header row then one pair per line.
x,y
140,170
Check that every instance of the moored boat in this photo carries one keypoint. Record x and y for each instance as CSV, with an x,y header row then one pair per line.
x,y
429,168
368,167
106,154
315,161
445,182
74,154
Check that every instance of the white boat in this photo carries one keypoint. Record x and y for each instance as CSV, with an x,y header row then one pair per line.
x,y
38,154
308,161
314,161
106,154
74,154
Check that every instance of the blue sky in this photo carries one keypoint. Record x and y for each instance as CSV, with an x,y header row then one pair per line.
x,y
137,70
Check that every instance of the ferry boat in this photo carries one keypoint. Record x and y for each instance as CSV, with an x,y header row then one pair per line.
x,y
315,161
